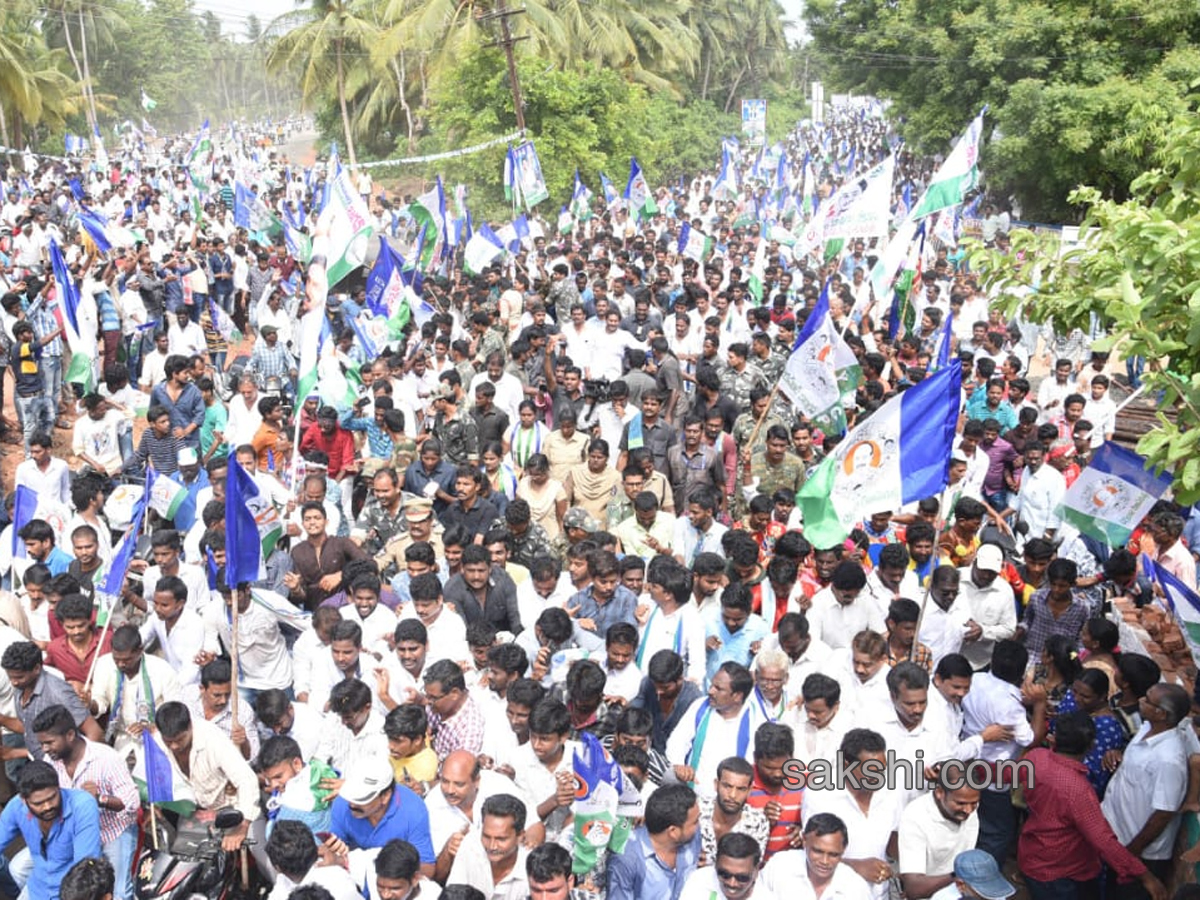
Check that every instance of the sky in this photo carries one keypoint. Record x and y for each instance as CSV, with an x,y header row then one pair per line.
x,y
233,14
794,11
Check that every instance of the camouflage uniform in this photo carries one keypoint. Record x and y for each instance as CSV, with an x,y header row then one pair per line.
x,y
744,427
737,385
620,509
490,342
788,475
771,367
525,548
459,437
378,526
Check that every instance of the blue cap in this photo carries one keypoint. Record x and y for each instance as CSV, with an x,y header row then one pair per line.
x,y
979,870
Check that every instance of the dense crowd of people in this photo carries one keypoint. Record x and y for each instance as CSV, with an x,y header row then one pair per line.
x,y
556,520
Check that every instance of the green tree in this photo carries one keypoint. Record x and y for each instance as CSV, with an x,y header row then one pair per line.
x,y
1078,92
34,89
592,119
1137,267
321,42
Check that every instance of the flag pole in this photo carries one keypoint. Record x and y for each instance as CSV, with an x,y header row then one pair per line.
x,y
87,685
238,592
153,826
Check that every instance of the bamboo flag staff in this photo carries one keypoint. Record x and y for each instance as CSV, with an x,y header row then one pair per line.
x,y
109,590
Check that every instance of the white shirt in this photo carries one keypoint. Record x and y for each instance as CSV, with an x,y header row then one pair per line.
x,y
309,729
720,742
263,660
306,653
540,783
325,675
817,743
687,542
681,631
471,867
445,820
869,832
334,879
814,659
180,645
1038,499
942,630
928,841
836,624
53,484
703,884
1152,777
994,701
947,717
1051,394
447,635
186,341
193,577
787,875
882,597
993,609
243,421
348,749
1102,414
607,357
378,626
98,439
531,604
932,743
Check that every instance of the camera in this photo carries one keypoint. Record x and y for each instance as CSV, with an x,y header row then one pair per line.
x,y
597,390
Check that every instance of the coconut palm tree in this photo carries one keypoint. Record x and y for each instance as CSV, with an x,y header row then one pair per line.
x,y
323,39
34,89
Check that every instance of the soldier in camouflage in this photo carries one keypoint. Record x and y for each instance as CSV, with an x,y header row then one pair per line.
x,y
743,427
577,526
382,517
454,427
485,340
526,539
740,377
769,362
772,469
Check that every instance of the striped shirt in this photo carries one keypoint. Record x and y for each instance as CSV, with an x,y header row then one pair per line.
x,y
790,801
104,767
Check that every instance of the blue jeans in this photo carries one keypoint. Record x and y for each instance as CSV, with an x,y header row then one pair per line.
x,y
36,414
52,379
120,852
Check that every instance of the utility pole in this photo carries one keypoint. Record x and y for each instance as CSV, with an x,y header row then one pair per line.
x,y
502,12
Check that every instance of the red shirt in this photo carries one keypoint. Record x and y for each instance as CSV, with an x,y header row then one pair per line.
x,y
1066,834
339,446
779,838
63,658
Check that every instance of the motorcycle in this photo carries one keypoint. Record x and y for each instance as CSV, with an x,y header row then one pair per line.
x,y
194,865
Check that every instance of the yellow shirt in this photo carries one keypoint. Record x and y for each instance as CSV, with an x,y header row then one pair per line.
x,y
420,767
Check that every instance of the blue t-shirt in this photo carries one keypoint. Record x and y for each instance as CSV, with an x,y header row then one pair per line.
x,y
406,818
74,836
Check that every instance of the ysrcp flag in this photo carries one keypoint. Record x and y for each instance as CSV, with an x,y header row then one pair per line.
x,y
528,174
862,206
810,376
1112,495
898,455
694,243
957,175
1180,600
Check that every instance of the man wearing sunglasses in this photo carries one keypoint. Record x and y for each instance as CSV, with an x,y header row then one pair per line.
x,y
735,874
